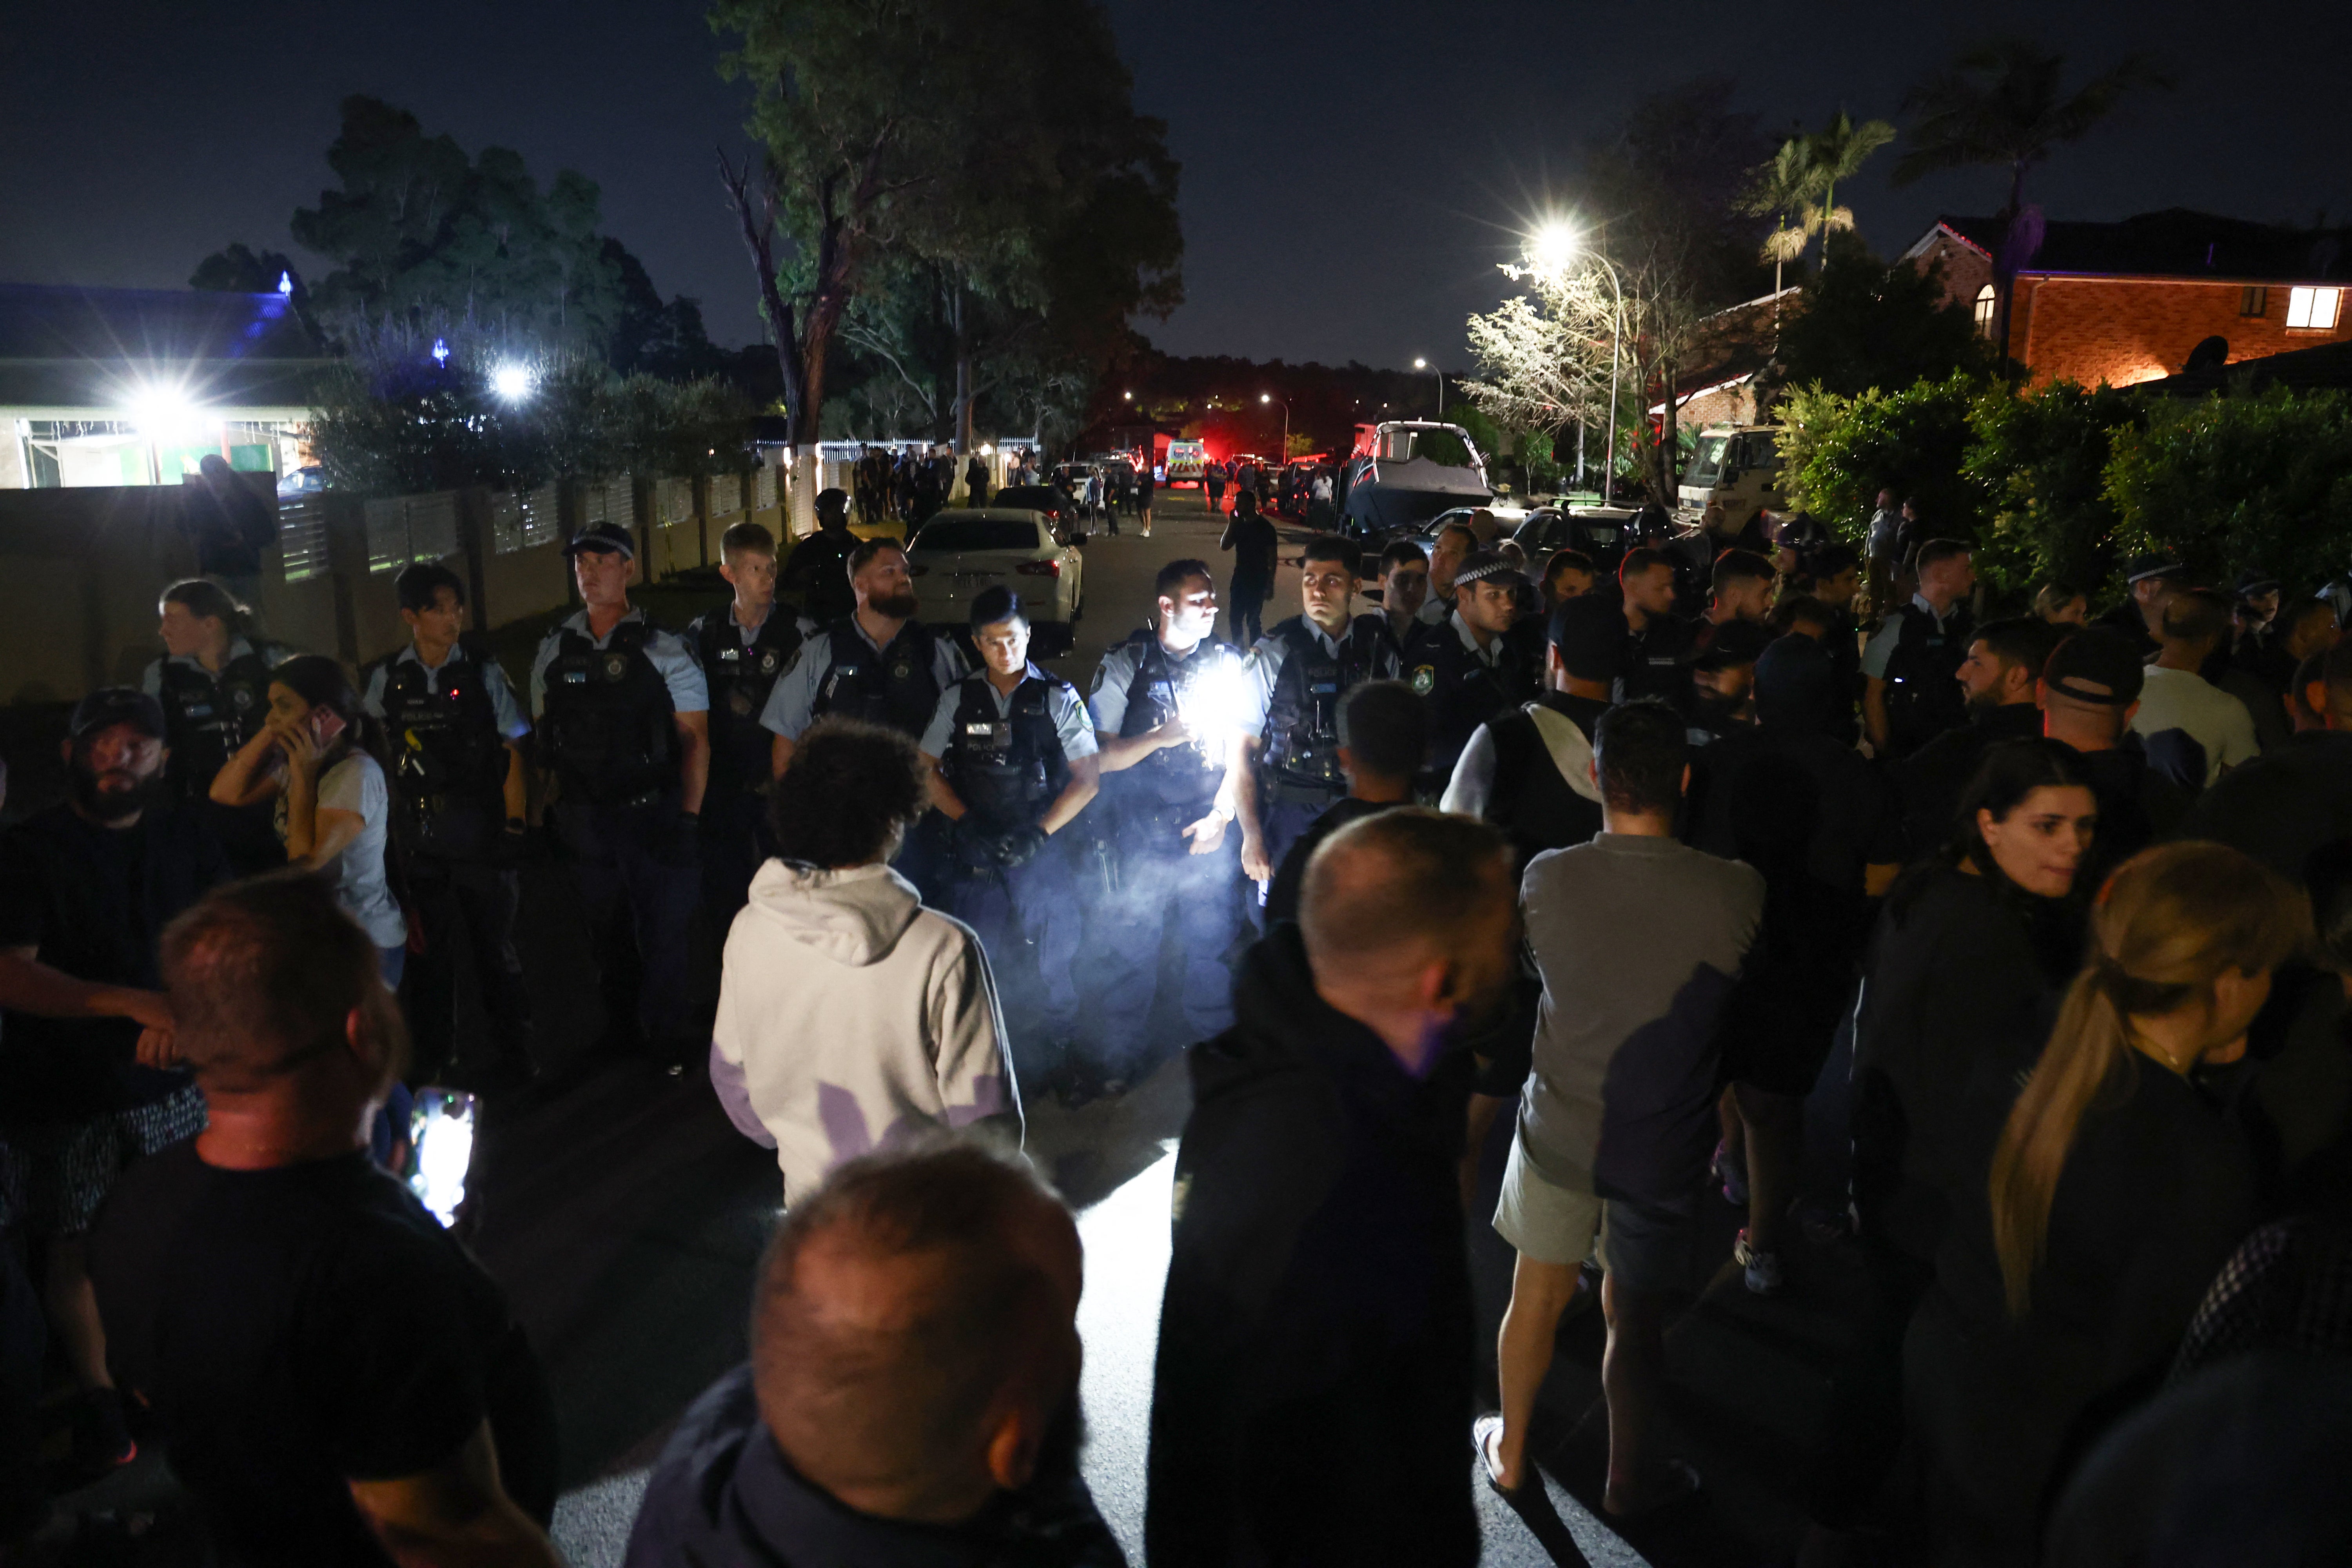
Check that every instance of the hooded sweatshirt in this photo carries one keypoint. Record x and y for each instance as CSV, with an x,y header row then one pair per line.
x,y
1313,1384
857,1017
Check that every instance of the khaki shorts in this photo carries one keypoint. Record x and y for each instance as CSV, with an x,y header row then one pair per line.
x,y
1646,1248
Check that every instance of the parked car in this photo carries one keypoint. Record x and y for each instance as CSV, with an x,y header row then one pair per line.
x,y
960,553
1501,518
1058,506
307,481
1401,472
1604,535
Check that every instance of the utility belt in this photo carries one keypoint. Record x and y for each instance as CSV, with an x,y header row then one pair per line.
x,y
1280,791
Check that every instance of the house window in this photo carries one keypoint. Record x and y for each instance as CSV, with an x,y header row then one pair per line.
x,y
2254,299
1984,310
2314,309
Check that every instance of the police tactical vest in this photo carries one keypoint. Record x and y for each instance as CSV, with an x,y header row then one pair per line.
x,y
1657,662
1174,775
741,675
1462,692
1302,720
448,760
610,725
210,716
1923,688
1006,767
894,688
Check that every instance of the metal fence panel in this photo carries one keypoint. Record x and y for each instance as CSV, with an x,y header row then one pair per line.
x,y
726,495
432,525
765,491
302,538
387,534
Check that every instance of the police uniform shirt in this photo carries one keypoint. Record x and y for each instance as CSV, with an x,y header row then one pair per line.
x,y
1880,650
1264,667
747,634
671,659
271,655
504,708
792,704
1434,609
1115,678
1071,726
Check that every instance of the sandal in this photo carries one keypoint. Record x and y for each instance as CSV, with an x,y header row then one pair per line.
x,y
1486,1437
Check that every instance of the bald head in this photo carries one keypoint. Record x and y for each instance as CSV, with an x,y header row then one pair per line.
x,y
913,1331
1407,918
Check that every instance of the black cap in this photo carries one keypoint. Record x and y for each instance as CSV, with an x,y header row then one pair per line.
x,y
2097,666
832,498
1734,643
2250,582
112,705
610,537
1590,633
2141,568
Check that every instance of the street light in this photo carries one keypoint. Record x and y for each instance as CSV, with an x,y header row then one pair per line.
x,y
1551,249
511,382
1424,365
1269,398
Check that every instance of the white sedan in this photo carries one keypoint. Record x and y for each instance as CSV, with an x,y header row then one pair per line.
x,y
960,554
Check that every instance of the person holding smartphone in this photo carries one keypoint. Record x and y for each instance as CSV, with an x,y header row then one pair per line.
x,y
312,757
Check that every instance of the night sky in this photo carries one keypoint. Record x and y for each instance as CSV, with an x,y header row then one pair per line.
x,y
1351,171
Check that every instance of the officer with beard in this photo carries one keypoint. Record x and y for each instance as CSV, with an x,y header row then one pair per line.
x,y
878,663
88,1082
461,790
1013,763
743,648
1164,702
1283,772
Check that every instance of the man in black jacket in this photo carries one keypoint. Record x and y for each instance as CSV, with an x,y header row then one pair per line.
x,y
1997,676
1315,1365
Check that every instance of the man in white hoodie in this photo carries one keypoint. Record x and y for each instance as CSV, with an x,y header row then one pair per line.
x,y
850,1016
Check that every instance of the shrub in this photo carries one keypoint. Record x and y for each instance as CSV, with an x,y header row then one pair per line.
x,y
2041,459
1839,451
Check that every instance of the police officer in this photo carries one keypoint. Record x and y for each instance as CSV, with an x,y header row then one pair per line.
x,y
625,728
878,663
1013,763
817,570
743,647
1165,702
1659,644
1529,769
460,792
1911,690
1285,768
213,684
1466,668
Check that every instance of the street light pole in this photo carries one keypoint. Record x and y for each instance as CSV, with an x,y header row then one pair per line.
x,y
1616,331
1424,364
1269,398
1551,250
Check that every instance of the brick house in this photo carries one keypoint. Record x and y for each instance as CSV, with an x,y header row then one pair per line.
x,y
2127,302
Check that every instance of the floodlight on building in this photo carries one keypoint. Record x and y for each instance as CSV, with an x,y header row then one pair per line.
x,y
164,413
512,382
286,284
440,350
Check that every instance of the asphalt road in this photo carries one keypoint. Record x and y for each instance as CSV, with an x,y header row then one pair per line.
x,y
624,1217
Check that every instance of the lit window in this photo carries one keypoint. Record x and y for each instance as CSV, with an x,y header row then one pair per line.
x,y
2254,299
1984,310
2313,308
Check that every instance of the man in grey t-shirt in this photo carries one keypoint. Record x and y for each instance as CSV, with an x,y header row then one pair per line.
x,y
1639,940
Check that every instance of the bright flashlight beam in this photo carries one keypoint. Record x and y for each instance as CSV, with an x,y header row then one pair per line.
x,y
1213,707
511,382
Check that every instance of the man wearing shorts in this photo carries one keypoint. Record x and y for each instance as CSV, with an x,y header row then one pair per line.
x,y
1640,941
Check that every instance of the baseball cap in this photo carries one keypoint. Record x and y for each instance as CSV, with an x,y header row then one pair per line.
x,y
2096,666
1734,643
2252,582
112,705
2141,568
606,536
1590,633
1481,564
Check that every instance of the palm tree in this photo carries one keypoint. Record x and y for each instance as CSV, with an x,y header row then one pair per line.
x,y
2002,104
1838,153
1780,189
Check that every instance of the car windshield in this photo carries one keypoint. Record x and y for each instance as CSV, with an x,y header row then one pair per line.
x,y
1705,460
977,534
1038,496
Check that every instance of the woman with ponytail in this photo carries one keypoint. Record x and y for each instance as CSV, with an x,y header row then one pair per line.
x,y
2119,1185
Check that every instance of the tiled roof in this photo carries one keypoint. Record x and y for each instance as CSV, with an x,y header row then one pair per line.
x,y
2175,243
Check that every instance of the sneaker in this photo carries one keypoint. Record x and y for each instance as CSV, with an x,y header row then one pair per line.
x,y
1733,1174
101,1441
1762,1269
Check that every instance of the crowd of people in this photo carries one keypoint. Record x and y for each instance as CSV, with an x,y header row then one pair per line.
x,y
2066,901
